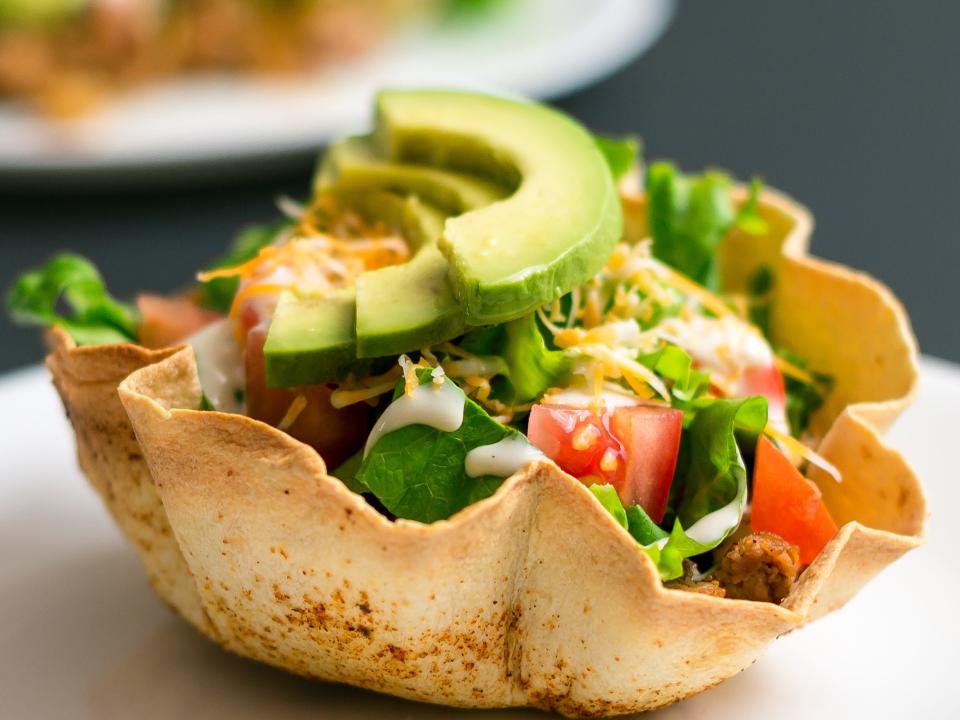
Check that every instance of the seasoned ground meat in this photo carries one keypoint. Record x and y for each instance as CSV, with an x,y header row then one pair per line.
x,y
761,566
687,583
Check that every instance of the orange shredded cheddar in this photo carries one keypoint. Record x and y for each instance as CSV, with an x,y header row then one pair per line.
x,y
298,405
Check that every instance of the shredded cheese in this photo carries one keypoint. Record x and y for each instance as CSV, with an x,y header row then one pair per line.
x,y
290,207
640,378
797,373
795,446
451,349
554,329
410,381
688,287
298,405
475,366
341,398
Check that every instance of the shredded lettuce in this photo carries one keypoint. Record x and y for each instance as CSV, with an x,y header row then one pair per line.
x,y
418,472
217,294
531,368
689,215
675,365
93,316
607,495
621,153
710,462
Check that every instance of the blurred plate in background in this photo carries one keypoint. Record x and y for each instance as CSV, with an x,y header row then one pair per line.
x,y
538,48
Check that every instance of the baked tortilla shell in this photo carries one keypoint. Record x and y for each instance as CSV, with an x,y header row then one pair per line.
x,y
534,596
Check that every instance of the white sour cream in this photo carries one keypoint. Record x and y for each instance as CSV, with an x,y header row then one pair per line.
x,y
501,459
220,366
717,524
709,529
724,345
440,407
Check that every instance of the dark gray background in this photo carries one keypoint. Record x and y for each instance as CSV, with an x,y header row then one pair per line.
x,y
850,107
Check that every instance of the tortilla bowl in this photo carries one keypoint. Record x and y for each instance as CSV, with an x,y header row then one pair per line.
x,y
534,596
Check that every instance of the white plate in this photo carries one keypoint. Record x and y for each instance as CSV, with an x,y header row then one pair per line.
x,y
538,48
82,636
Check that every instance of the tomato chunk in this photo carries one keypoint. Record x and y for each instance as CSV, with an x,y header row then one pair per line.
x,y
786,503
767,381
167,321
632,448
579,440
651,437
334,433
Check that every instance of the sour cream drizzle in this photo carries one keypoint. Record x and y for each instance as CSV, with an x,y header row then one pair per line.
x,y
439,406
220,366
713,527
501,459
717,524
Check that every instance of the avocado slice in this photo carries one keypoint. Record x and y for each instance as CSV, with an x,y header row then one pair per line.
x,y
352,165
317,339
555,231
404,307
310,338
534,212
399,308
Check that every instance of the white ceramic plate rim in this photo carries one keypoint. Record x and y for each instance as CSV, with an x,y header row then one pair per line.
x,y
84,637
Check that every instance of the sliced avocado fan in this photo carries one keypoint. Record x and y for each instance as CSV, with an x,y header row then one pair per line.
x,y
508,205
352,165
553,233
389,311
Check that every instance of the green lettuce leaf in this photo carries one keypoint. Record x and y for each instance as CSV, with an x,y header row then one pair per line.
x,y
710,463
417,471
94,316
530,368
760,287
217,294
621,153
689,215
644,530
666,550
675,365
803,398
347,472
607,495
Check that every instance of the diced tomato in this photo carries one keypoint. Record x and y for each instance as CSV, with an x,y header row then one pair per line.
x,y
576,439
767,381
167,321
632,448
786,503
335,434
651,437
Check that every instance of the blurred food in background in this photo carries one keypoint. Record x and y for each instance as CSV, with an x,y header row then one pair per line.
x,y
146,89
65,57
